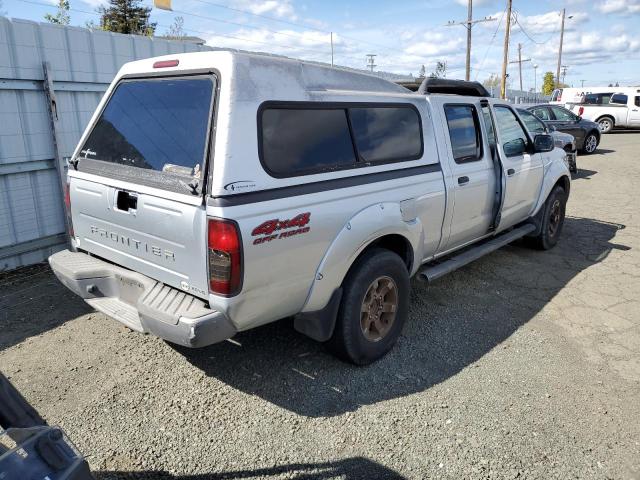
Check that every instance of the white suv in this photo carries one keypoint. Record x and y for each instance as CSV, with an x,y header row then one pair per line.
x,y
214,192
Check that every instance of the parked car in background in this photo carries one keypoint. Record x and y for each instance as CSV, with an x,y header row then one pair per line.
x,y
586,132
561,140
621,111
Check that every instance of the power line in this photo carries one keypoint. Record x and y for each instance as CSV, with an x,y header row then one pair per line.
x,y
292,23
490,43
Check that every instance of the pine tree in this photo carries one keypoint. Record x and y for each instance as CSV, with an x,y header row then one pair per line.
x,y
441,70
423,72
126,16
62,16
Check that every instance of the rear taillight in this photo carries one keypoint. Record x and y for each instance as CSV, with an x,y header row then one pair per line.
x,y
67,208
580,111
224,250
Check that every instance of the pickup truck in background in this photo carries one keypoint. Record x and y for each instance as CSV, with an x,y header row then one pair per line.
x,y
622,111
214,192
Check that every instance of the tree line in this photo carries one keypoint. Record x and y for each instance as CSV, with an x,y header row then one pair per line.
x,y
120,16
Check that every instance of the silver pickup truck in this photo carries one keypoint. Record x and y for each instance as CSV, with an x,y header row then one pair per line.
x,y
215,192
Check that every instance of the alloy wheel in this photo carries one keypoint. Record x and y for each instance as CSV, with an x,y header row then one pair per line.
x,y
591,144
379,307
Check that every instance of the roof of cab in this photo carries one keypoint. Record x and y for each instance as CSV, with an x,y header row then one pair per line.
x,y
270,75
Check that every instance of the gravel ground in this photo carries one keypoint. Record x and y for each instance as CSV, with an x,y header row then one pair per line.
x,y
525,364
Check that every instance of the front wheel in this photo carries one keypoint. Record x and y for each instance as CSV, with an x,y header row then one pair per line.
x,y
374,307
552,220
605,125
590,143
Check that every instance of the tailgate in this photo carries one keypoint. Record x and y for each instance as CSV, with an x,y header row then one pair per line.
x,y
158,237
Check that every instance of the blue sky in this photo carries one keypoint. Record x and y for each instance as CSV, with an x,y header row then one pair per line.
x,y
602,39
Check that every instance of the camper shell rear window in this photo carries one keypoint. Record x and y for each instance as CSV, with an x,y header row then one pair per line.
x,y
153,131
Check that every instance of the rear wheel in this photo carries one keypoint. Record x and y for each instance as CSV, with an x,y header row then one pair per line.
x,y
590,143
605,124
374,307
552,220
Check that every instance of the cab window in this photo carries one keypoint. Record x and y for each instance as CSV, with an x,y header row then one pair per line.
x,y
464,132
512,135
619,98
541,112
532,123
637,101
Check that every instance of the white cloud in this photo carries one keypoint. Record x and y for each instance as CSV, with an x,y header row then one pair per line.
x,y
276,8
92,3
619,6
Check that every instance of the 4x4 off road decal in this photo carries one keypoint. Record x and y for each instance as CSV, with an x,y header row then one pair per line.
x,y
267,231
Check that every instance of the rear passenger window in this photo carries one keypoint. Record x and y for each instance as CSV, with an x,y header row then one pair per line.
x,y
637,101
387,133
298,141
464,131
308,139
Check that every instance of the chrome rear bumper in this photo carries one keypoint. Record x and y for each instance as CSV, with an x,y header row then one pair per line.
x,y
139,302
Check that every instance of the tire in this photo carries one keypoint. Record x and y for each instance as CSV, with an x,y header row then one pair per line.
x,y
552,220
605,124
590,143
367,327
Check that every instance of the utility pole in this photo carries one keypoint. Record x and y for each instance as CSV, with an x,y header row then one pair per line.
x,y
582,83
370,61
535,80
468,24
560,49
332,49
505,58
564,72
519,62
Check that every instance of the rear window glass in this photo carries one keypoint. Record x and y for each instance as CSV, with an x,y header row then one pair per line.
x,y
298,141
388,133
619,98
464,131
158,125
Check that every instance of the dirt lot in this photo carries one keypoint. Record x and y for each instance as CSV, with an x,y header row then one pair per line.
x,y
524,364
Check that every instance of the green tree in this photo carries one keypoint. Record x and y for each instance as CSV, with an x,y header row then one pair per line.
x,y
440,71
548,83
126,16
62,16
423,72
176,30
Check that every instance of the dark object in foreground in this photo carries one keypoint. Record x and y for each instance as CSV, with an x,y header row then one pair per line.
x,y
31,449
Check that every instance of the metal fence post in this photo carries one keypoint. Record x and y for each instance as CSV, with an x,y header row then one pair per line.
x,y
52,107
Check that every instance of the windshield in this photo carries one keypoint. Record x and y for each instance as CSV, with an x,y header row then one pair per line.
x,y
156,125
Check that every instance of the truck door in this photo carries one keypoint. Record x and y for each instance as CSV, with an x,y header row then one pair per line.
x,y
523,171
473,177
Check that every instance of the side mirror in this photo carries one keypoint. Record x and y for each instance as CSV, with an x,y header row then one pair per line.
x,y
543,143
516,147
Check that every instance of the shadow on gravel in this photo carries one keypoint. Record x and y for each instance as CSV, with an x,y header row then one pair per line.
x,y
583,174
356,468
32,301
452,324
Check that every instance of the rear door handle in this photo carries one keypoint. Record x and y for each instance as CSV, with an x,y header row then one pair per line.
x,y
511,171
463,180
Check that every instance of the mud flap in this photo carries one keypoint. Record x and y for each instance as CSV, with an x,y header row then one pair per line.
x,y
319,325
